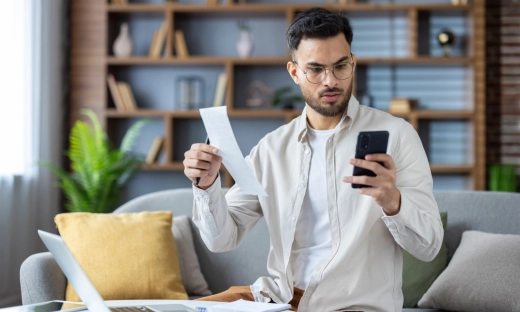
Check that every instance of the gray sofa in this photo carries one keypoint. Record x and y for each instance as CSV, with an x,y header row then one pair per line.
x,y
42,280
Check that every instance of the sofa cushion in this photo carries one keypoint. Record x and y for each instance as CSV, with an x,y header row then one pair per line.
x,y
192,278
126,256
484,275
418,275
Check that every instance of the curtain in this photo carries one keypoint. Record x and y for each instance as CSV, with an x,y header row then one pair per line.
x,y
32,115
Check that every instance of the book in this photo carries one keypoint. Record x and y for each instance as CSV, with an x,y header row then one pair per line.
x,y
128,97
180,45
154,151
212,2
401,105
115,92
158,42
220,90
153,43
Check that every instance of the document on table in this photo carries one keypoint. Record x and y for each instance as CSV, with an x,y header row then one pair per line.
x,y
248,306
221,136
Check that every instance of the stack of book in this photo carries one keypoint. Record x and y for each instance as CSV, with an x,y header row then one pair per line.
x,y
119,1
154,151
401,106
180,45
121,94
158,41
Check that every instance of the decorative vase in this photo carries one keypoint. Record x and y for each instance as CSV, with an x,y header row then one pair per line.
x,y
245,44
123,45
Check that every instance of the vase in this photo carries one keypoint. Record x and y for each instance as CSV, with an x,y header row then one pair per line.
x,y
123,45
245,44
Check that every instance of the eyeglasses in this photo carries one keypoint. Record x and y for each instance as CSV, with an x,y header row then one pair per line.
x,y
316,74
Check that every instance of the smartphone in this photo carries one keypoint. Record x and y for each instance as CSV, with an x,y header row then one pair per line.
x,y
369,142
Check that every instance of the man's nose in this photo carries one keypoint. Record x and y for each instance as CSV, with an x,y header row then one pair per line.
x,y
330,80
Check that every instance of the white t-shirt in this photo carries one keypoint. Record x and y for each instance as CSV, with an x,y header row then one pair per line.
x,y
312,239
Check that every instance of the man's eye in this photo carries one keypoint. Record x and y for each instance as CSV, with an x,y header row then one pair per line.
x,y
316,69
341,66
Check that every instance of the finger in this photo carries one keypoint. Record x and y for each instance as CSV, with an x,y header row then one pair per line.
x,y
194,154
197,164
204,148
370,165
193,174
370,191
384,158
365,180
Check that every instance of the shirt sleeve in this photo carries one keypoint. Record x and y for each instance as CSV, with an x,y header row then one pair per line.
x,y
417,227
224,220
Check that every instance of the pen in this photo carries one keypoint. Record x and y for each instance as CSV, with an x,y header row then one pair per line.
x,y
198,179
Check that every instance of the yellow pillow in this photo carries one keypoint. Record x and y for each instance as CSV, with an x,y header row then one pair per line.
x,y
126,256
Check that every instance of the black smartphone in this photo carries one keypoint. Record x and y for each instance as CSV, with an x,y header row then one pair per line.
x,y
369,142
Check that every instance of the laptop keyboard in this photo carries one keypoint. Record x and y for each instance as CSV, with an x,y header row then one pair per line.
x,y
130,309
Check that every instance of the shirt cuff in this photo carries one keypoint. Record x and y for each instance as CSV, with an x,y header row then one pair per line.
x,y
212,190
396,223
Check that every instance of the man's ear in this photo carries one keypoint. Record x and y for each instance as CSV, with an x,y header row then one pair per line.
x,y
293,71
355,63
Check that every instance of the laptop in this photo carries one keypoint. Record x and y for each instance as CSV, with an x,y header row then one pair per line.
x,y
84,287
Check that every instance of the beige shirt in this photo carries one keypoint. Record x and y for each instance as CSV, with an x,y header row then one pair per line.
x,y
364,270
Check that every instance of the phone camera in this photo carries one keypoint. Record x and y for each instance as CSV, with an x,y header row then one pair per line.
x,y
365,141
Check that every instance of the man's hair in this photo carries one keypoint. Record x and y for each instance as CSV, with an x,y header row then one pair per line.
x,y
317,23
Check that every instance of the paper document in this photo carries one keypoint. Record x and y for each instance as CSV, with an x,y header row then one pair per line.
x,y
221,136
249,306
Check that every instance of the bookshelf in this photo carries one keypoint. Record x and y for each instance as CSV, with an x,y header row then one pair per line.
x,y
92,61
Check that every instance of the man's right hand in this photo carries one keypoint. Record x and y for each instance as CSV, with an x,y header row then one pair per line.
x,y
202,161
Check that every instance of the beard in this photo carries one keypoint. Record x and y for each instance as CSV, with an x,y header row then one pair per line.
x,y
328,109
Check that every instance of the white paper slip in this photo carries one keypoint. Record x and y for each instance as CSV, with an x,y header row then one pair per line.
x,y
221,136
249,306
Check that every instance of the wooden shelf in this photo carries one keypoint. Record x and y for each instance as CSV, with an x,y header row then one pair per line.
x,y
175,166
196,60
421,114
202,8
438,114
217,60
451,169
179,166
244,113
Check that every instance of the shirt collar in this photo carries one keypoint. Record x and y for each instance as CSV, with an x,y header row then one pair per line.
x,y
346,121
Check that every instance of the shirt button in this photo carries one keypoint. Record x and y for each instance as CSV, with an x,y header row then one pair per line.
x,y
293,219
307,151
302,185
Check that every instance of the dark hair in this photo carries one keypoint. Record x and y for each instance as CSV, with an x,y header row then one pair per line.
x,y
317,23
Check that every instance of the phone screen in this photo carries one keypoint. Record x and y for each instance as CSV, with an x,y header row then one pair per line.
x,y
369,142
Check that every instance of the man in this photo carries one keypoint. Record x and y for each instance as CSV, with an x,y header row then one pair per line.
x,y
332,246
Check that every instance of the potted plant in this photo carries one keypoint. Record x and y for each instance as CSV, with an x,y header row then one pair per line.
x,y
99,172
283,98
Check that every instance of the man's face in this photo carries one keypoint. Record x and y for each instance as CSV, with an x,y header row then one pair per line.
x,y
329,97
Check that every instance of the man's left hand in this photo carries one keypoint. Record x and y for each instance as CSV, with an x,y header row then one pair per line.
x,y
383,188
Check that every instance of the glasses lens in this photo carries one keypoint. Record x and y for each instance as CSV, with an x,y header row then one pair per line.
x,y
343,71
317,74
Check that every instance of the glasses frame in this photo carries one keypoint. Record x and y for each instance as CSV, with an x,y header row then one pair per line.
x,y
353,64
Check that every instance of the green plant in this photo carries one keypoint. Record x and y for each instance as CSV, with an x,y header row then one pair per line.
x,y
99,172
283,97
502,178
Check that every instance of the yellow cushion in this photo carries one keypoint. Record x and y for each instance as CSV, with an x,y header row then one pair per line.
x,y
126,256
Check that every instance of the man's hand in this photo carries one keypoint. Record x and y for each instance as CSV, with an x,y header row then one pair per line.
x,y
383,189
202,161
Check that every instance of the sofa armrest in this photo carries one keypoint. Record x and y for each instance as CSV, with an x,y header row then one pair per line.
x,y
41,279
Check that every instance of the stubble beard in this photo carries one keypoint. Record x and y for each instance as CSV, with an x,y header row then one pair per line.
x,y
328,109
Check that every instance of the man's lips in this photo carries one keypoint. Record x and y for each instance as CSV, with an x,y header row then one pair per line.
x,y
331,97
